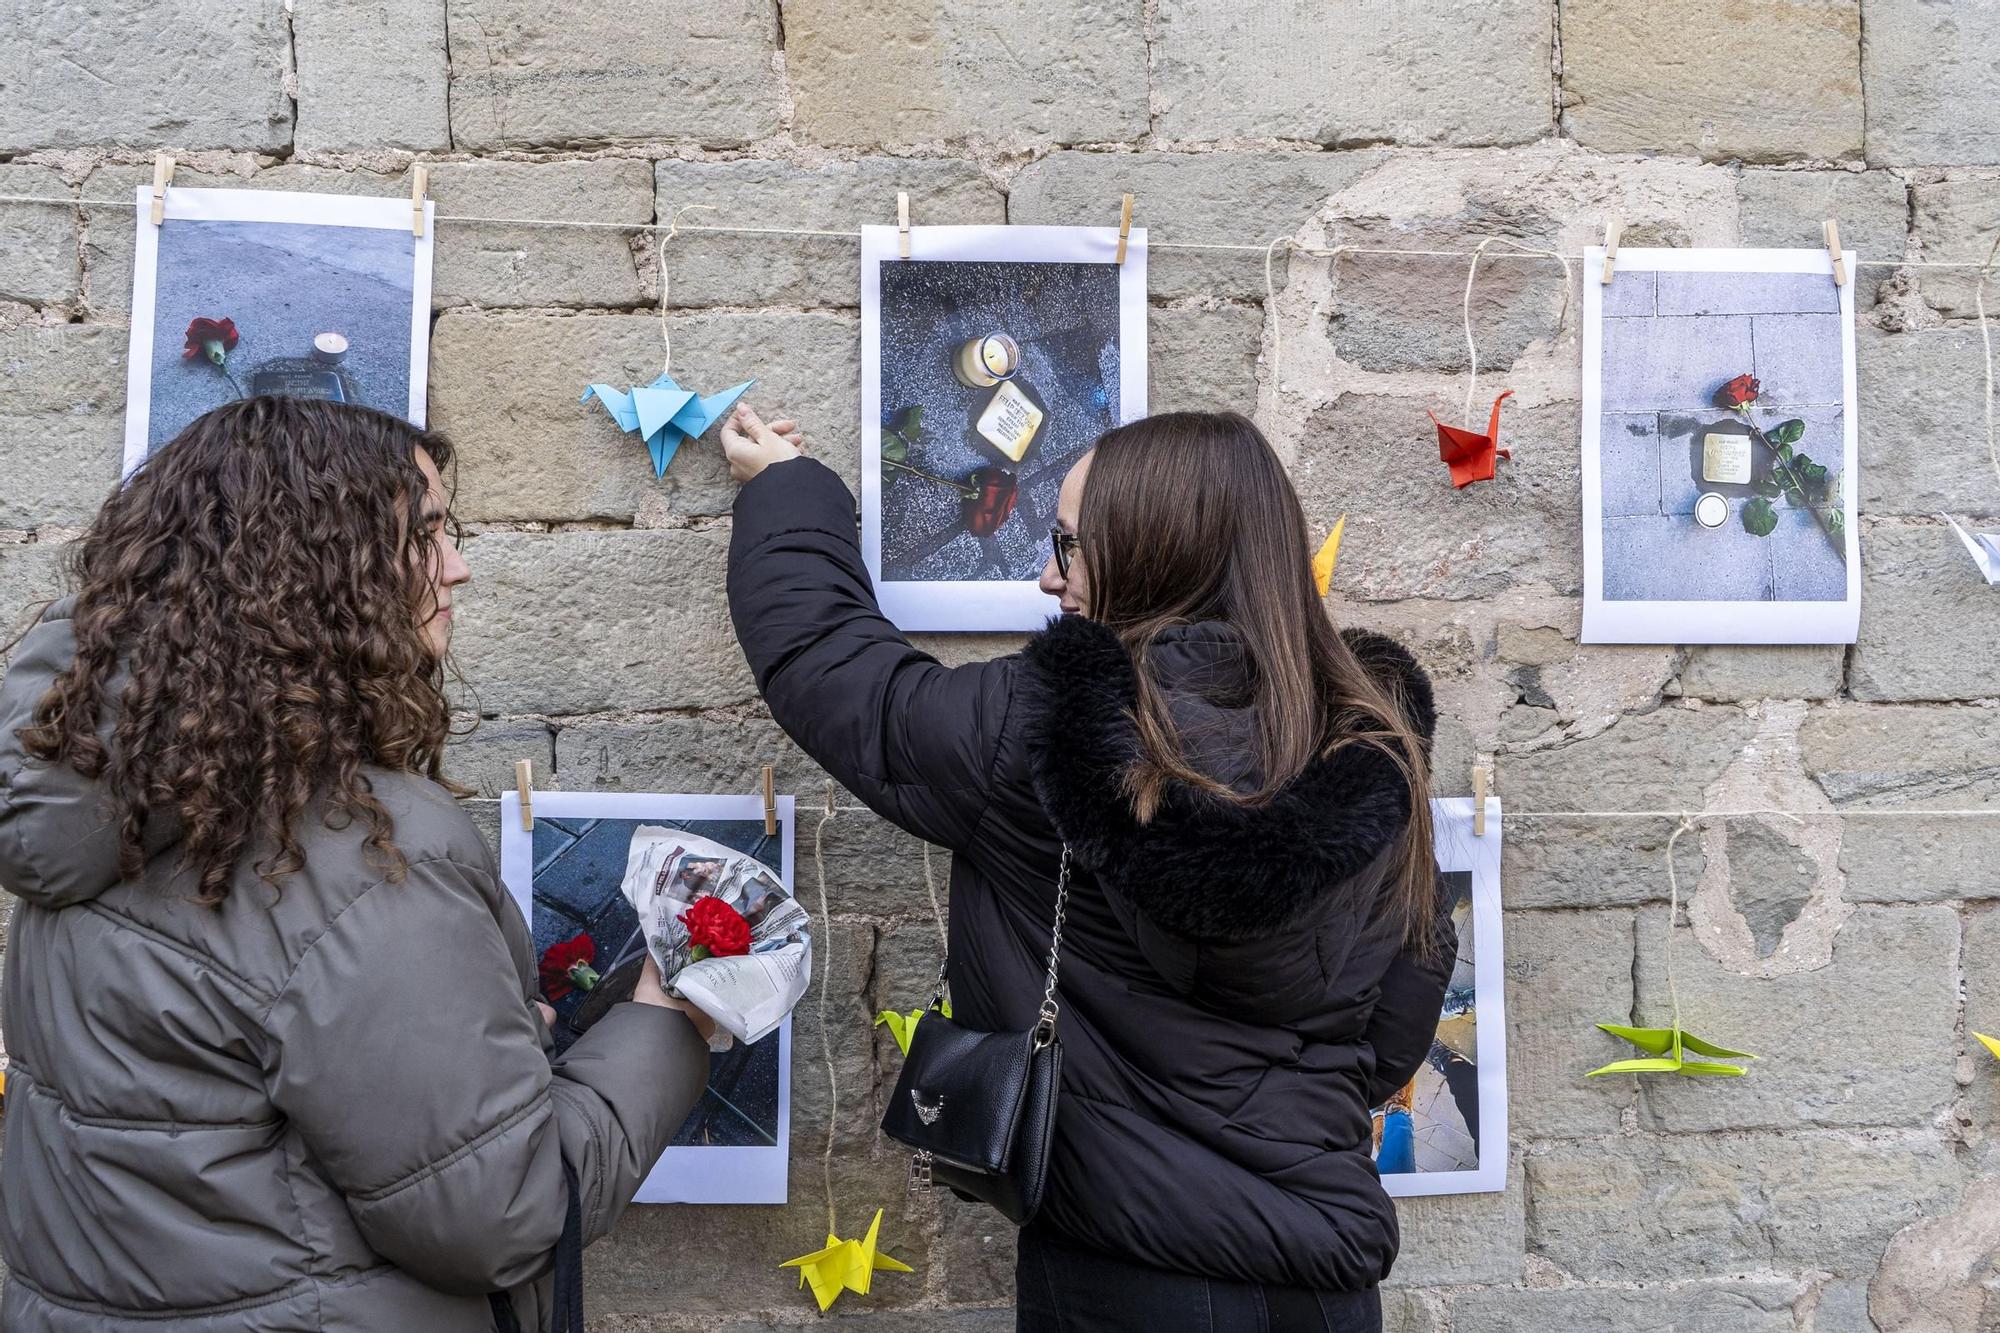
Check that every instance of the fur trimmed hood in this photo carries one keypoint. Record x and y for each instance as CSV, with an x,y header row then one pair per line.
x,y
1203,867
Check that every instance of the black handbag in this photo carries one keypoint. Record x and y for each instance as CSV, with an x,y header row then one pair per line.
x,y
980,1107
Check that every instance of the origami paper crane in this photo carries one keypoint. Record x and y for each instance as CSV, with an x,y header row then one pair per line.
x,y
1990,1043
1470,454
1667,1047
1329,553
1984,548
844,1265
904,1026
664,414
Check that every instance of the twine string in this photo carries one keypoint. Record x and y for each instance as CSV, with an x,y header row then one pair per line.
x,y
673,230
825,1028
1986,353
1673,916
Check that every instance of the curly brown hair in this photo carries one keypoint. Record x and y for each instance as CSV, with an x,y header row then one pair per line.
x,y
249,636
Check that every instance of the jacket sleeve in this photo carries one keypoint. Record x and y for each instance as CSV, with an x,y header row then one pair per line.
x,y
406,1059
914,739
1406,1014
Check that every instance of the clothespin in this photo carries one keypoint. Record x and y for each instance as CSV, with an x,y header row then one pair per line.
x,y
420,185
1124,226
163,175
770,801
524,782
1482,778
1614,227
1829,230
903,224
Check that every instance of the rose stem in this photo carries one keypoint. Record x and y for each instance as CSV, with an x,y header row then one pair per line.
x,y
968,492
1791,479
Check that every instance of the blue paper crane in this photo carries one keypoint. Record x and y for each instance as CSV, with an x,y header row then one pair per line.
x,y
664,414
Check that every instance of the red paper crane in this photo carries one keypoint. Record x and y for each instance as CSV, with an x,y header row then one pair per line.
x,y
1470,454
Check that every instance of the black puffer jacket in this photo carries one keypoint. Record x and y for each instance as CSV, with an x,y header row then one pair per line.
x,y
1231,1007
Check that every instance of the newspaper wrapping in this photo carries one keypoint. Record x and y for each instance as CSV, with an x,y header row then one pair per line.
x,y
666,872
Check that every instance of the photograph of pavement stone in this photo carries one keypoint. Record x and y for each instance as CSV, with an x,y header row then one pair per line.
x,y
1671,341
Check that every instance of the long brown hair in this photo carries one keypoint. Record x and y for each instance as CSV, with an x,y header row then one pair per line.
x,y
1189,517
258,583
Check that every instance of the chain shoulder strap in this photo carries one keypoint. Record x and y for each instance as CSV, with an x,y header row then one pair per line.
x,y
1045,1021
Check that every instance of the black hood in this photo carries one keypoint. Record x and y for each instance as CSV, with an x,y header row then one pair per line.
x,y
1205,867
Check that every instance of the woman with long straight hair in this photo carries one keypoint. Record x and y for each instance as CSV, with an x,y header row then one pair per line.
x,y
1254,951
275,1057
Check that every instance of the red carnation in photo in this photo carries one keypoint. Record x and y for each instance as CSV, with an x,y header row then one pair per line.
x,y
566,966
1738,392
212,338
715,929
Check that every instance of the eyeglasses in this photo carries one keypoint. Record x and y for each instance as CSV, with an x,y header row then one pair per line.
x,y
1065,544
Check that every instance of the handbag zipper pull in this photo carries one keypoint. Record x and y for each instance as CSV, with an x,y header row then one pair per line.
x,y
920,1171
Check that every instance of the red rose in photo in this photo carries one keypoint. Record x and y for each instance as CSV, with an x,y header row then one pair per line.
x,y
566,966
212,338
989,506
1739,391
715,929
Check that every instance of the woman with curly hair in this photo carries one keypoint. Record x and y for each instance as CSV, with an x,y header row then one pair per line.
x,y
275,1056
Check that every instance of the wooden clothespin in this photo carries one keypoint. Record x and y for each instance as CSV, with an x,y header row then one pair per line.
x,y
1124,226
902,224
420,186
1614,227
1482,779
524,783
1829,231
163,175
770,801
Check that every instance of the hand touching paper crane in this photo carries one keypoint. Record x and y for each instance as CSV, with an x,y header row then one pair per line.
x,y
664,414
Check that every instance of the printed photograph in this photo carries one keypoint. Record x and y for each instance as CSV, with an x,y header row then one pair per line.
x,y
1722,435
229,307
1432,1123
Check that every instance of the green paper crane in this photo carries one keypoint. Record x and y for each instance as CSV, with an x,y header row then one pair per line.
x,y
903,1026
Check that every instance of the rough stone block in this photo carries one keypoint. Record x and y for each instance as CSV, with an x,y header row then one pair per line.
x,y
1913,397
1928,70
195,75
1405,1311
1390,313
1203,359
1562,966
708,269
581,622
979,1251
62,422
1982,1014
482,264
1235,198
1409,533
1954,221
39,263
1638,1209
1870,757
1462,1239
484,759
961,1320
869,72
1708,100
30,575
1451,72
1734,1307
598,72
1866,1041
371,75
1731,672
846,954
1928,621
1785,208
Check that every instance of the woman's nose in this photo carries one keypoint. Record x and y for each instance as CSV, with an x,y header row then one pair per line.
x,y
1052,581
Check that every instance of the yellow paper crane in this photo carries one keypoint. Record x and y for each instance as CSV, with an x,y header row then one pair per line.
x,y
903,1026
1329,553
844,1265
1989,1043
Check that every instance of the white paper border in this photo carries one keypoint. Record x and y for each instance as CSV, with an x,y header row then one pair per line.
x,y
1652,622
683,1174
982,604
325,210
1458,850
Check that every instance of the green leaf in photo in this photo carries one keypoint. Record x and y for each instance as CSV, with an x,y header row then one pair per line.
x,y
909,423
1786,432
895,449
1759,518
1769,489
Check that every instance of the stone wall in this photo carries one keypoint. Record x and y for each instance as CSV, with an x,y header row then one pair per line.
x,y
1849,1183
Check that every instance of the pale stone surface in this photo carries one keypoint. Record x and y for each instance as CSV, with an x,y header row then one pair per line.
x,y
1716,97
1954,221
1391,313
581,622
847,954
371,75
62,422
486,265
30,575
1786,671
1864,1042
1235,198
1203,359
1650,1208
1928,621
1982,1014
867,72
1940,1273
689,71
1928,69
1445,72
1462,1239
484,760
1785,208
707,269
191,75
39,262
1561,965
1734,1307
1916,422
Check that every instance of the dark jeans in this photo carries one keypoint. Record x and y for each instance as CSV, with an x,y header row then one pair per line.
x,y
1059,1288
